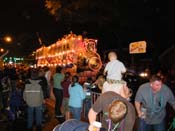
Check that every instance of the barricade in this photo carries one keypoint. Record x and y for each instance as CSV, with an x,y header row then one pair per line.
x,y
94,96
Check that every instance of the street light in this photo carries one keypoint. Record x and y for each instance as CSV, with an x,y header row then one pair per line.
x,y
3,52
7,39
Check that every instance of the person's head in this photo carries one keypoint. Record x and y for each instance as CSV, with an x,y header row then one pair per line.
x,y
41,72
75,79
89,80
112,55
155,83
117,111
58,69
46,68
67,75
34,74
100,81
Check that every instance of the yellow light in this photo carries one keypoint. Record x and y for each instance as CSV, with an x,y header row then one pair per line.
x,y
8,39
143,74
79,37
1,50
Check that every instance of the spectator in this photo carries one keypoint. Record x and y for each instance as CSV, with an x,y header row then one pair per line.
x,y
33,96
48,78
58,91
43,83
102,104
44,87
88,85
77,95
114,68
65,84
113,72
150,102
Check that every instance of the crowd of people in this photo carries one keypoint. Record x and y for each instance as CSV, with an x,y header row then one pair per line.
x,y
33,87
22,92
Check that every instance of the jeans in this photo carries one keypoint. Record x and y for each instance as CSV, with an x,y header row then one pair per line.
x,y
34,113
13,84
87,106
58,103
143,126
76,112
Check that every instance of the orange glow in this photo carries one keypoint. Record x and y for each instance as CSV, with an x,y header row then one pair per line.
x,y
8,39
1,50
71,49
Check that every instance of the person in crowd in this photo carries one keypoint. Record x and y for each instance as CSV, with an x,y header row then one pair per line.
x,y
120,88
150,102
114,68
103,104
65,84
88,85
13,77
5,88
113,71
44,87
34,98
76,97
48,78
58,91
43,83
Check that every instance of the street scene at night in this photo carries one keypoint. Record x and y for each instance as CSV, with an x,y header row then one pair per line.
x,y
87,65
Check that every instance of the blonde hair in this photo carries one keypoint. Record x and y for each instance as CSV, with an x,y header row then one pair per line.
x,y
112,55
117,111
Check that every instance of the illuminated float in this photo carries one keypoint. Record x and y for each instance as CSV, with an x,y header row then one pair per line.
x,y
71,51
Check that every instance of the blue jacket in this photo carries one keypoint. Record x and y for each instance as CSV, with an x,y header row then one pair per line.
x,y
76,95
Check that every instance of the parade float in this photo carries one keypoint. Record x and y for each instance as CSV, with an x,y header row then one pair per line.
x,y
75,53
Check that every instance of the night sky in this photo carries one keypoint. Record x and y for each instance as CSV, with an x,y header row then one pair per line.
x,y
115,23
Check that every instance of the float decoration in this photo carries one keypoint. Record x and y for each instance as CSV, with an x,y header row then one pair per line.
x,y
70,50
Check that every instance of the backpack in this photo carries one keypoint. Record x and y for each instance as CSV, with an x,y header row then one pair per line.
x,y
33,93
72,125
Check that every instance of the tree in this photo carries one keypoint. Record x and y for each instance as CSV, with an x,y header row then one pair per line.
x,y
86,11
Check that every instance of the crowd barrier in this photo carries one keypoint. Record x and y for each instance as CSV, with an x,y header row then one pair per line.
x,y
94,96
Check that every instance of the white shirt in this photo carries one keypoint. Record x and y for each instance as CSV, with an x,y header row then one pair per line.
x,y
114,69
